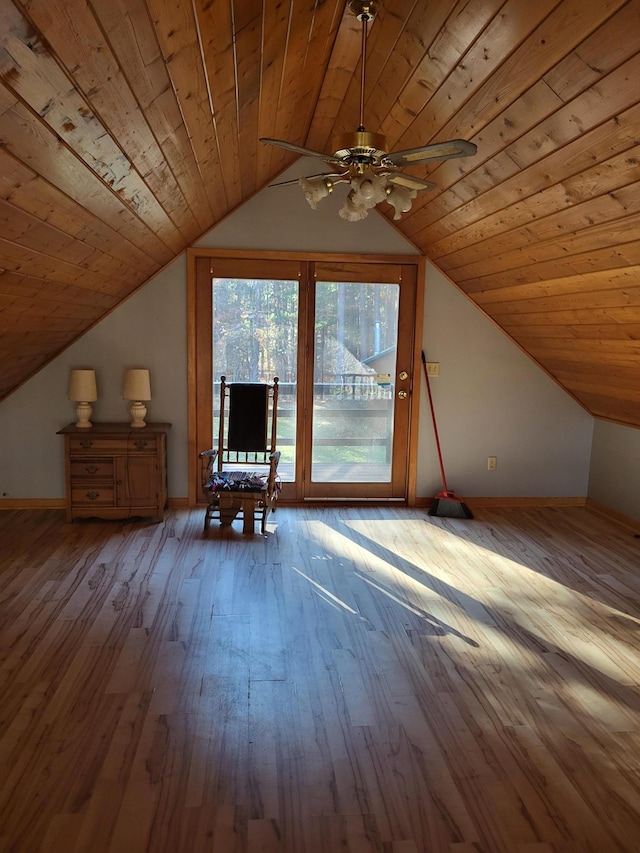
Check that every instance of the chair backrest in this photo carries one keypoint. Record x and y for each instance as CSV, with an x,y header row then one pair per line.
x,y
248,422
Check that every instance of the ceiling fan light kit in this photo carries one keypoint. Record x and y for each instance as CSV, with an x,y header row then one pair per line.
x,y
373,174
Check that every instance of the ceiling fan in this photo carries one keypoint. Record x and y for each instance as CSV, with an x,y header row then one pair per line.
x,y
362,160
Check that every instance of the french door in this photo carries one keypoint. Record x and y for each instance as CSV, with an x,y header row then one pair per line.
x,y
359,389
340,337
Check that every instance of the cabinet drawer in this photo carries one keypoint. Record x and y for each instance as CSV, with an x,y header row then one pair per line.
x,y
92,495
81,445
97,469
142,444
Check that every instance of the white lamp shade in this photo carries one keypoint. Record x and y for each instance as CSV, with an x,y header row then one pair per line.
x,y
315,189
82,386
136,385
369,189
400,198
351,211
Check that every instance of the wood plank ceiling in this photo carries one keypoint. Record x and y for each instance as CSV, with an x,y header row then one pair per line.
x,y
130,127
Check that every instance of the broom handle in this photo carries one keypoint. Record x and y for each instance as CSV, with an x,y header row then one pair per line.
x,y
435,426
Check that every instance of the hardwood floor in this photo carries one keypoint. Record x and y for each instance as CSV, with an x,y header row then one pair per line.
x,y
359,680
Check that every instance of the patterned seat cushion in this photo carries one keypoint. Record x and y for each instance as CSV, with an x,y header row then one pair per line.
x,y
237,481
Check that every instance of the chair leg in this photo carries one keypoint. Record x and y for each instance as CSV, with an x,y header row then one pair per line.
x,y
248,508
230,506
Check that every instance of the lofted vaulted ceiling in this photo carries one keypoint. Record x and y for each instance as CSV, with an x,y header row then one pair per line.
x,y
128,128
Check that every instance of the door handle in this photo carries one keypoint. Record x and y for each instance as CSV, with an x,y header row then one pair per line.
x,y
403,375
402,395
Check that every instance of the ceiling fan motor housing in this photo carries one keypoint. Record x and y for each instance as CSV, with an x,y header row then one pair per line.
x,y
360,146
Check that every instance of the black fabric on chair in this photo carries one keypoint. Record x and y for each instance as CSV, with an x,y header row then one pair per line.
x,y
248,416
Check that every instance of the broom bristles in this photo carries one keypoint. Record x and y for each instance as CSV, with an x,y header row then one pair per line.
x,y
449,505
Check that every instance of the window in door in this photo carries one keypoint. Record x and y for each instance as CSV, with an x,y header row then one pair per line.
x,y
254,339
355,346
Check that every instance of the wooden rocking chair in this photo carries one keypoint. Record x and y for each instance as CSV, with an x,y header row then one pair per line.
x,y
240,477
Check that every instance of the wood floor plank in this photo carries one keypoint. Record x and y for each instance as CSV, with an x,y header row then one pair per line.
x,y
360,679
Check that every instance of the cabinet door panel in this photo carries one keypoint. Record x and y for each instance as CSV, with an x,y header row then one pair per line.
x,y
136,481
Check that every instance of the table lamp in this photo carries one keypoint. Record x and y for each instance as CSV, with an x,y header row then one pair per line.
x,y
82,390
136,387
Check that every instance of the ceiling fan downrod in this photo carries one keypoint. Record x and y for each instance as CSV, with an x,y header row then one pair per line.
x,y
362,148
365,12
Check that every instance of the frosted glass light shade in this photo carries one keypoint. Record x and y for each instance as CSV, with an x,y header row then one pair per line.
x,y
400,198
82,390
137,387
368,190
351,211
315,189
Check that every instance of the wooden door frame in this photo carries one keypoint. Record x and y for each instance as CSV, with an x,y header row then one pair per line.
x,y
199,356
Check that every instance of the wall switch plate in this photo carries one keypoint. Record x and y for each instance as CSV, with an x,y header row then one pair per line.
x,y
492,463
433,368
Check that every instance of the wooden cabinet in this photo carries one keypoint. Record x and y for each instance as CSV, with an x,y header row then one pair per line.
x,y
113,471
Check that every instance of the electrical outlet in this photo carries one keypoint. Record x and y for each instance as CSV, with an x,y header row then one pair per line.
x,y
433,368
492,463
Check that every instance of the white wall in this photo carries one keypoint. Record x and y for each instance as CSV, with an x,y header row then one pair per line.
x,y
615,468
490,399
149,330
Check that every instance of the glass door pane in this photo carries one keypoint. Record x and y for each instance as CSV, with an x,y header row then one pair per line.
x,y
255,337
355,347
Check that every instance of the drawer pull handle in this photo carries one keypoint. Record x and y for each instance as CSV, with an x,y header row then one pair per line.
x,y
141,444
91,469
86,443
93,495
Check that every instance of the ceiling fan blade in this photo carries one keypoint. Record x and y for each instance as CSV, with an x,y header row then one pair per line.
x,y
335,179
409,181
288,183
298,149
436,151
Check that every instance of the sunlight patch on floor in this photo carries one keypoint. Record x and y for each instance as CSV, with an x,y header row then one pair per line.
x,y
508,592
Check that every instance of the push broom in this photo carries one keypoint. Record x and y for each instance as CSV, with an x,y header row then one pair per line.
x,y
446,504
